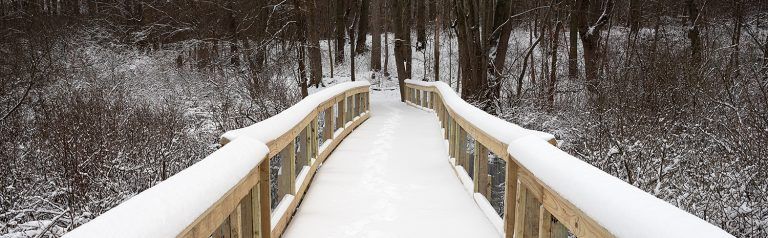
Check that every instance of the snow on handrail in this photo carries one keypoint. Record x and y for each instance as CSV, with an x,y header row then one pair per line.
x,y
584,199
280,124
168,208
622,209
494,127
234,181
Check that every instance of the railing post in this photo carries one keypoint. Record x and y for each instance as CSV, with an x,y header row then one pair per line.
x,y
462,153
262,204
527,213
432,100
510,195
446,122
340,111
328,128
246,216
304,152
451,138
481,170
287,176
313,139
545,223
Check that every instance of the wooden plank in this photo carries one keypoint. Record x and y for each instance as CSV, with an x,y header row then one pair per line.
x,y
246,216
570,216
314,139
451,139
481,170
217,233
207,223
545,223
340,109
520,210
558,230
510,196
462,150
234,224
328,127
226,231
303,155
264,204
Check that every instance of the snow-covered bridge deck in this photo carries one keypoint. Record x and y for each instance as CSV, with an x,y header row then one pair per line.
x,y
350,170
390,178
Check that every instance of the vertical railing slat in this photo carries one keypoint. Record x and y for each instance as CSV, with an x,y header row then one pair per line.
x,y
481,169
510,197
328,127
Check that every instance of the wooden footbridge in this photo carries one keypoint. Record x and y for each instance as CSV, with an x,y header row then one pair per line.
x,y
347,163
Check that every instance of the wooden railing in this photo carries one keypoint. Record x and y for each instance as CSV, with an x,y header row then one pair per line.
x,y
228,194
547,193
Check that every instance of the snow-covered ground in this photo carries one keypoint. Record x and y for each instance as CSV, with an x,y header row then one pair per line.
x,y
390,178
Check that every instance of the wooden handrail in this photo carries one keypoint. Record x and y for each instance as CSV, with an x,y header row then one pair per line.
x,y
543,182
228,193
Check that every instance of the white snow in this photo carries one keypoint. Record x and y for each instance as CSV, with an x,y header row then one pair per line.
x,y
281,208
274,127
487,208
495,127
621,208
164,210
390,178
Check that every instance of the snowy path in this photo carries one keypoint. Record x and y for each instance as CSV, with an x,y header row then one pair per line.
x,y
390,178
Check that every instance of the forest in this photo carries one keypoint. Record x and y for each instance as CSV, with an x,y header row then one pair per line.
x,y
102,99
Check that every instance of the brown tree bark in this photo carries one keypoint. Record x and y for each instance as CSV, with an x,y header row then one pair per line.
x,y
402,43
590,41
351,31
436,52
483,34
313,44
340,30
555,36
362,27
421,32
376,35
573,42
693,33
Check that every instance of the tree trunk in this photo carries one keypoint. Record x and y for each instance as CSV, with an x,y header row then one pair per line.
x,y
302,80
376,35
313,47
436,52
402,43
421,32
693,33
340,31
500,41
330,56
362,27
635,13
573,51
738,19
555,36
352,48
386,49
590,41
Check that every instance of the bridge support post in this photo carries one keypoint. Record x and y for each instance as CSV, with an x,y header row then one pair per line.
x,y
462,153
481,170
260,196
328,128
510,195
287,178
340,109
451,138
313,140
